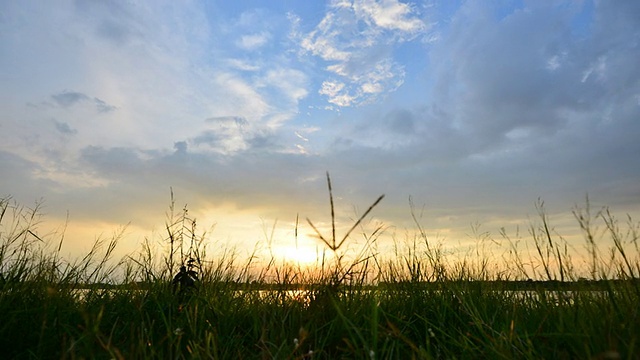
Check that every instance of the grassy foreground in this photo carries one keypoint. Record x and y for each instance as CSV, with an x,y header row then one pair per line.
x,y
416,304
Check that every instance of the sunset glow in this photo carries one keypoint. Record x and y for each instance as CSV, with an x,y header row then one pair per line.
x,y
303,256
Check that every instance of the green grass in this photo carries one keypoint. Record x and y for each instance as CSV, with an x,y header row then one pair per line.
x,y
360,305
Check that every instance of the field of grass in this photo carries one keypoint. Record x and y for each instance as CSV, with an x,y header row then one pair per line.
x,y
416,304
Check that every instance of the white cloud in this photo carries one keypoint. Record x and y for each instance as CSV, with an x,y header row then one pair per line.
x,y
242,65
136,76
323,47
301,137
291,82
553,63
598,68
356,40
371,88
389,15
253,41
337,93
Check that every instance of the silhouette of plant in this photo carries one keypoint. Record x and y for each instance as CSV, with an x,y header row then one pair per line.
x,y
340,273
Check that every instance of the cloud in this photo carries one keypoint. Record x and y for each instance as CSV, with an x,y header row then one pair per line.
x,y
180,147
17,176
228,120
253,41
356,42
235,136
248,182
64,128
494,122
280,90
390,15
115,22
156,64
507,106
291,82
242,65
226,135
498,114
68,99
102,106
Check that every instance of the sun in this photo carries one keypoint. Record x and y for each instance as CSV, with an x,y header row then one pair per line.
x,y
306,251
300,255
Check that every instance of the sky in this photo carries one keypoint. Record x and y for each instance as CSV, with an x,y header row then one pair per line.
x,y
469,110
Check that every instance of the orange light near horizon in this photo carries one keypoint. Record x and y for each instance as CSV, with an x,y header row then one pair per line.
x,y
301,255
303,251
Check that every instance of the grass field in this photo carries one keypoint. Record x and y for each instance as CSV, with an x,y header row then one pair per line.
x,y
414,304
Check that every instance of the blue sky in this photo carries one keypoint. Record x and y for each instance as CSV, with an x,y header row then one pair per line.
x,y
473,109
